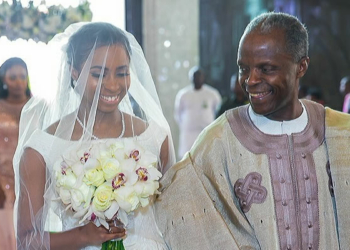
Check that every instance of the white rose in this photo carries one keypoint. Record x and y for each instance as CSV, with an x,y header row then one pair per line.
x,y
103,197
110,168
94,177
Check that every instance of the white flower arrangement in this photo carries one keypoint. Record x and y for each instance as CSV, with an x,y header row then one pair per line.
x,y
106,178
39,23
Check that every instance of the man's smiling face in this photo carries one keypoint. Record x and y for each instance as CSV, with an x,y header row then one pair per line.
x,y
268,74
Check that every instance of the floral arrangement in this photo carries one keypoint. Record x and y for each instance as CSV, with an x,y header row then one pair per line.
x,y
106,178
39,23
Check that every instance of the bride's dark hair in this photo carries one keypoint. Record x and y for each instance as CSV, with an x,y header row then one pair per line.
x,y
100,34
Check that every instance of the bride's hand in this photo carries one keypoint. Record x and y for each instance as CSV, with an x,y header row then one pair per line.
x,y
95,236
115,223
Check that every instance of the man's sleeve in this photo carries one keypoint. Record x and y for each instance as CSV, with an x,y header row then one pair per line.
x,y
196,208
186,215
338,140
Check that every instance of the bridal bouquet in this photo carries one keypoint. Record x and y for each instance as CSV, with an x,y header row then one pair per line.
x,y
100,180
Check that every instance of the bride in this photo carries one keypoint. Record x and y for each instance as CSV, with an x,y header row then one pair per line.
x,y
104,92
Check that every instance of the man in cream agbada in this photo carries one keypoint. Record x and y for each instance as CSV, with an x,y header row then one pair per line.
x,y
273,174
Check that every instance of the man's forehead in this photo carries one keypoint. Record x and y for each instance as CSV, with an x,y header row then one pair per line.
x,y
277,35
258,41
263,51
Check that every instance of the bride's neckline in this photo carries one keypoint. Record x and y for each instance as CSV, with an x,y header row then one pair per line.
x,y
139,135
94,136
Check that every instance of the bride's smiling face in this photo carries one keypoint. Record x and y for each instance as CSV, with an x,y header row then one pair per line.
x,y
115,76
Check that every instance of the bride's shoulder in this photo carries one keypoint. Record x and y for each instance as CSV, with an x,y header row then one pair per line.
x,y
53,127
137,124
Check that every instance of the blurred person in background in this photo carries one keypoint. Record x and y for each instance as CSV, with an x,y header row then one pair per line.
x,y
195,108
14,93
235,99
2,198
315,94
345,91
302,91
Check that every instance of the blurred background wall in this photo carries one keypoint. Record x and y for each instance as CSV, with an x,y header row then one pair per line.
x,y
171,46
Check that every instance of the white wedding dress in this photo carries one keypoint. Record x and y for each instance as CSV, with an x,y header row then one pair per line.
x,y
143,233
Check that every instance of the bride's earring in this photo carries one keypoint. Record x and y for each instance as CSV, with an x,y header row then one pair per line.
x,y
74,83
4,86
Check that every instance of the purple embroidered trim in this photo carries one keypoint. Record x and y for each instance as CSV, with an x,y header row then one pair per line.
x,y
250,191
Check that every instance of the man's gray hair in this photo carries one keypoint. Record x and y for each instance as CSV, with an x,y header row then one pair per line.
x,y
296,36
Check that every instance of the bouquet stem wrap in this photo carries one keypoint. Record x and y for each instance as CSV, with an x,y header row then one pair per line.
x,y
113,245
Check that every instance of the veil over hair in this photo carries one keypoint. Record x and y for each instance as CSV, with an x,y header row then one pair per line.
x,y
76,116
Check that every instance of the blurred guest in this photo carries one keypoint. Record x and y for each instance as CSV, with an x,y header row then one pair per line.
x,y
2,198
345,91
315,94
195,108
344,87
235,99
14,93
302,91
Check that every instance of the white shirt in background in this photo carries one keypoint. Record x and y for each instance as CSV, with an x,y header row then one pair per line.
x,y
194,110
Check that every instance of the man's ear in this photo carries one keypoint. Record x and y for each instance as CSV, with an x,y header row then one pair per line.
x,y
303,65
